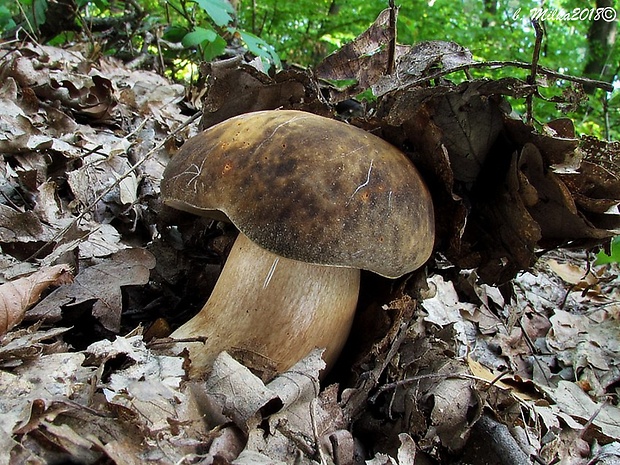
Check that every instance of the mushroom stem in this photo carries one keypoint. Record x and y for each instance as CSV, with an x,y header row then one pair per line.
x,y
277,308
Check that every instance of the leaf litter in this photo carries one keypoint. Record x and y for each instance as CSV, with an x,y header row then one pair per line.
x,y
495,339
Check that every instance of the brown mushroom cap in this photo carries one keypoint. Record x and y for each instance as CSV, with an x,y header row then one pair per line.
x,y
308,188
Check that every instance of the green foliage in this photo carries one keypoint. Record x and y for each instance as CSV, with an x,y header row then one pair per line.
x,y
6,18
208,26
304,31
220,11
33,12
614,256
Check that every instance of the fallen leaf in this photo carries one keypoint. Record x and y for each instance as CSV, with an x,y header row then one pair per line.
x,y
101,284
572,400
455,407
22,345
19,295
422,59
235,87
407,450
238,392
573,274
444,307
40,382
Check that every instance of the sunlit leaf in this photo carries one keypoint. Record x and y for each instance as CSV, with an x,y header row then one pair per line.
x,y
35,14
6,18
220,11
198,36
214,48
101,4
259,47
614,257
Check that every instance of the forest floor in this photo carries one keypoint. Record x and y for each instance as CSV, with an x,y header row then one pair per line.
x,y
444,366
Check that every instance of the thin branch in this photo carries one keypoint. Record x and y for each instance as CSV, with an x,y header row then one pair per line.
x,y
532,77
440,376
392,43
30,25
513,64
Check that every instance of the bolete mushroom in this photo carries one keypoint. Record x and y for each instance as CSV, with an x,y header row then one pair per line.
x,y
315,200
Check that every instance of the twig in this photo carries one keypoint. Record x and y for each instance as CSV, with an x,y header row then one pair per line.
x,y
502,442
392,43
591,419
315,432
606,117
108,189
371,378
23,12
168,341
514,64
532,77
442,376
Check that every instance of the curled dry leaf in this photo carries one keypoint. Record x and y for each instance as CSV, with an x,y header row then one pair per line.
x,y
365,59
19,295
287,417
242,396
89,95
24,344
288,89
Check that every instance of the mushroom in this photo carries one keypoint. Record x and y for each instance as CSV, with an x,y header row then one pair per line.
x,y
315,200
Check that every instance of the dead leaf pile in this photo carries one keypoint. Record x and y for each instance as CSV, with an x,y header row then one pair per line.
x,y
539,356
494,340
80,166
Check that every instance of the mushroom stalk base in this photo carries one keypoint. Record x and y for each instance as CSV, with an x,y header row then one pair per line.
x,y
272,309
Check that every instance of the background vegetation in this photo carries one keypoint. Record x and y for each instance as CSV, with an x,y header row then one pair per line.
x,y
172,35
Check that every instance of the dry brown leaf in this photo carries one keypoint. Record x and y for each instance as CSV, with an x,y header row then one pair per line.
x,y
19,295
31,390
365,59
419,60
239,393
243,397
455,407
88,95
288,89
551,203
573,274
381,459
21,345
102,284
571,400
445,307
141,409
300,422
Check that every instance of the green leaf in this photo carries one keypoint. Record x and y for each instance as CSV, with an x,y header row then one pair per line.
x,y
259,47
103,5
214,48
220,11
6,19
603,258
175,33
198,36
36,14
